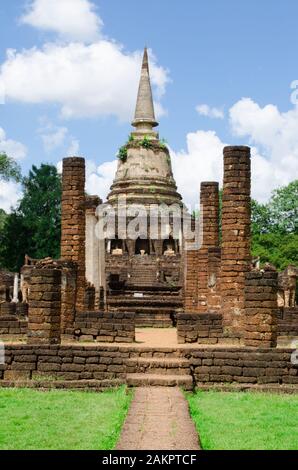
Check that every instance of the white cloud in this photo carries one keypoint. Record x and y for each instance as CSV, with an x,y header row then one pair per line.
x,y
100,178
274,158
13,148
202,161
71,19
99,79
10,193
54,139
59,167
274,136
206,110
73,148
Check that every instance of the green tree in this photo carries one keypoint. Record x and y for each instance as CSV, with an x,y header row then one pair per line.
x,y
3,217
280,250
14,242
283,208
275,227
41,208
9,169
260,218
34,227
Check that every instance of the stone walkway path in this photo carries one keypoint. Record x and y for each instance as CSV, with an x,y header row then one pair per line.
x,y
158,419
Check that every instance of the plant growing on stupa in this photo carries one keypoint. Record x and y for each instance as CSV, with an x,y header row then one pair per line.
x,y
122,153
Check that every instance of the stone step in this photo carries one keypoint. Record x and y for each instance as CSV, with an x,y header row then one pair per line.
x,y
158,366
157,380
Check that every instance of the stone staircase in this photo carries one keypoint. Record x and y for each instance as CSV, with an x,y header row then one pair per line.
x,y
167,371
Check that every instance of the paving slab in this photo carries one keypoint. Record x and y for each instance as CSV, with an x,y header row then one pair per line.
x,y
158,419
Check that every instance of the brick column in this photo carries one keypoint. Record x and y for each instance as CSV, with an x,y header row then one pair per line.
x,y
191,280
44,306
209,218
213,280
73,220
68,296
235,253
260,329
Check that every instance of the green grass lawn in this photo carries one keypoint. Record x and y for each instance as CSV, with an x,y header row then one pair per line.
x,y
251,421
32,419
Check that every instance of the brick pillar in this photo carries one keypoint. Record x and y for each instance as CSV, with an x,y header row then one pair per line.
x,y
209,213
68,296
44,306
260,329
213,280
235,253
191,280
73,220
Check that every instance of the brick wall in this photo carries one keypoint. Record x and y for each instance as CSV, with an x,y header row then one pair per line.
x,y
44,305
63,363
91,366
191,280
104,327
8,308
68,293
12,326
213,279
243,365
260,326
202,328
235,247
73,220
287,322
209,218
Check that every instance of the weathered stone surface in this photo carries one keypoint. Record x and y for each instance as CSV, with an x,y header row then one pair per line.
x,y
235,247
260,325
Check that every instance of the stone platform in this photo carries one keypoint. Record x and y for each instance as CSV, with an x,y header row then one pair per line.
x,y
155,359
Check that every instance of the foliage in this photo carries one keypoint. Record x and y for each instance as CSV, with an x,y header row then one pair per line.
x,y
3,217
146,142
255,421
163,143
275,227
9,168
34,227
61,420
284,208
15,243
122,153
278,249
280,214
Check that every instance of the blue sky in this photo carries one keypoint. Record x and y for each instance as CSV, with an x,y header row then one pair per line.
x,y
221,73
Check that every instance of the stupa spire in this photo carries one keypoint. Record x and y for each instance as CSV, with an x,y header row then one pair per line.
x,y
144,119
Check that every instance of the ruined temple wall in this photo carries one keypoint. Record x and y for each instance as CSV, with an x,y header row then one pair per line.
x,y
73,220
44,306
68,294
111,327
85,366
213,280
191,280
209,218
205,328
235,248
196,290
260,326
287,322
